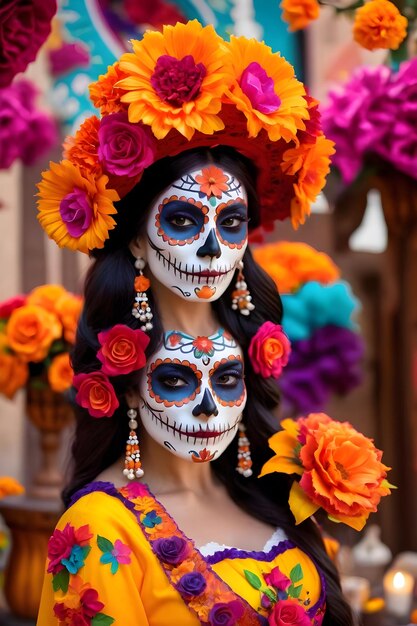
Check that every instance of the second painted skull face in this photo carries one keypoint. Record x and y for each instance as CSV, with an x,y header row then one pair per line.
x,y
197,233
193,394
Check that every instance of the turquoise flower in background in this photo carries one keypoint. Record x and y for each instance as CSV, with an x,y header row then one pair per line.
x,y
114,554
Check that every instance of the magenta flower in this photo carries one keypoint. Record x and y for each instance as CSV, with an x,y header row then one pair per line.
x,y
24,26
288,613
125,149
226,613
8,306
277,579
269,350
68,57
259,88
121,552
76,212
177,80
61,543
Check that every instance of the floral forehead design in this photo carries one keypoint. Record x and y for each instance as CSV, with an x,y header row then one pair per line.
x,y
211,182
201,347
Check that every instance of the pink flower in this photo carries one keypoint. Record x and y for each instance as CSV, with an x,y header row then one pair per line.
x,y
121,552
8,306
177,80
61,543
24,26
68,57
96,394
122,350
76,212
288,613
269,350
125,149
259,88
277,579
226,613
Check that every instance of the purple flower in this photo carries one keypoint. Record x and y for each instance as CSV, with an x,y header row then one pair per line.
x,y
177,80
259,88
76,212
225,613
125,149
24,26
68,57
192,584
172,550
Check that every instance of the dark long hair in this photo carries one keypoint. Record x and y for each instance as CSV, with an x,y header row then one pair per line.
x,y
109,294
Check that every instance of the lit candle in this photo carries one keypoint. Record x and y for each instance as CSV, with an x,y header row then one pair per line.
x,y
398,589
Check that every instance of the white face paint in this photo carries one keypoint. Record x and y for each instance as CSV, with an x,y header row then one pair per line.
x,y
197,233
193,394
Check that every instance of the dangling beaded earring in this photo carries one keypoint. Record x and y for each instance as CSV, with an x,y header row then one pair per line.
x,y
133,466
141,309
244,462
241,297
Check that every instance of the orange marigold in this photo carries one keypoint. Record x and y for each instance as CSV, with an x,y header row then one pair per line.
x,y
104,94
68,309
311,164
266,90
176,79
10,487
379,24
75,207
82,149
46,296
31,330
299,13
60,373
13,374
212,181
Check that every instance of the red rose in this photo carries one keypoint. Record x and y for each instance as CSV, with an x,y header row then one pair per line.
x,y
288,613
269,350
96,394
122,350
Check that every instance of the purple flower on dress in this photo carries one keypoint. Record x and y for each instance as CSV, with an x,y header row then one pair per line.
x,y
76,212
192,584
125,149
172,550
225,613
259,88
177,80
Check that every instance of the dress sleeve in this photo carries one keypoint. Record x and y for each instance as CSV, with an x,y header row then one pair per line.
x,y
94,568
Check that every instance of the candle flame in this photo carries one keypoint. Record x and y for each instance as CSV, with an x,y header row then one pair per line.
x,y
398,581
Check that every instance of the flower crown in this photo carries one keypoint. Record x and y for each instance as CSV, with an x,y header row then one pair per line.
x,y
182,89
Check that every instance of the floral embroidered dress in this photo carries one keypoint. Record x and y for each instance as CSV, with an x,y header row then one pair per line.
x,y
117,557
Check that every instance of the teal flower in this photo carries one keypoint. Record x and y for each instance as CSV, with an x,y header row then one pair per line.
x,y
76,559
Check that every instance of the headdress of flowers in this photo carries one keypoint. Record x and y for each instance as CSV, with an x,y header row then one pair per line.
x,y
180,89
340,469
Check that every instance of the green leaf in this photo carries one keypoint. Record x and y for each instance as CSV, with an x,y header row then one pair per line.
x,y
37,383
86,551
61,581
296,574
57,346
253,579
102,620
270,594
294,592
104,544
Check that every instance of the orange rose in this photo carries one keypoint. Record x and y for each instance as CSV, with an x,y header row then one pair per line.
x,y
269,350
60,373
31,330
96,394
68,309
142,283
13,374
379,24
10,487
46,296
299,13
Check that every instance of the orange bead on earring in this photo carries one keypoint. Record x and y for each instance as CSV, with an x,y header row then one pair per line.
x,y
241,298
244,461
141,309
133,466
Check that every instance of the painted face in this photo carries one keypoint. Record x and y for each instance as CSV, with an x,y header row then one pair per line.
x,y
193,394
197,233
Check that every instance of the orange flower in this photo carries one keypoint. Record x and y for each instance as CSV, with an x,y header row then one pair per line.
x,y
176,79
379,24
68,308
291,264
341,469
266,90
311,164
82,149
299,13
46,296
60,373
142,283
212,181
184,568
205,292
13,374
10,487
103,92
75,208
31,330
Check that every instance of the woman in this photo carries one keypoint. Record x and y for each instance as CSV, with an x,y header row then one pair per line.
x,y
177,248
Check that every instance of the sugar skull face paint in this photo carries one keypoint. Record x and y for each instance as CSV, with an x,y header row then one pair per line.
x,y
193,394
197,233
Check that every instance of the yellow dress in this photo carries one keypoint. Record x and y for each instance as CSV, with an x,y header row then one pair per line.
x,y
117,557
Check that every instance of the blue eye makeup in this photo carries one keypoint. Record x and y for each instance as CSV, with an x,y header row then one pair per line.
x,y
181,220
173,382
228,381
232,223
